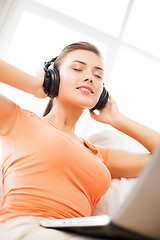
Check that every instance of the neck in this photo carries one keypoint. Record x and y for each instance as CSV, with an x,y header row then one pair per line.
x,y
64,118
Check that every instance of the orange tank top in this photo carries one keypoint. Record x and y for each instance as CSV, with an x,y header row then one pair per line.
x,y
46,173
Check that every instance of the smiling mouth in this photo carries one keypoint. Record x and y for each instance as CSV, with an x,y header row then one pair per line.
x,y
86,89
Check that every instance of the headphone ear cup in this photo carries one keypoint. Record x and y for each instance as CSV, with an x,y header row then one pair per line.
x,y
55,81
102,100
51,82
47,81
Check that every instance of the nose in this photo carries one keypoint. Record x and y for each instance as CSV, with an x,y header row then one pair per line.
x,y
88,78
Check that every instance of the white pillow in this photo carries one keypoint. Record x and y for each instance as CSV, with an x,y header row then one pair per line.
x,y
116,140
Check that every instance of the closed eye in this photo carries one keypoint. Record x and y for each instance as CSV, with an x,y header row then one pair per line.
x,y
76,69
98,76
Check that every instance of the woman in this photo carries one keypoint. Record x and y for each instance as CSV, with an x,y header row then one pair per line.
x,y
48,171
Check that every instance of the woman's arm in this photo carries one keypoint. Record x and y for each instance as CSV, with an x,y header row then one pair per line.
x,y
15,77
121,163
125,164
144,135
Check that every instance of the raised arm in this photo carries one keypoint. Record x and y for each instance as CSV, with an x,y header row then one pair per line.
x,y
144,135
121,163
15,77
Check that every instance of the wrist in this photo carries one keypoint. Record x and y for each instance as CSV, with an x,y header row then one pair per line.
x,y
118,121
37,89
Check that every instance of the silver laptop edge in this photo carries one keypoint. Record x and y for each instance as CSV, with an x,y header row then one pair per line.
x,y
141,211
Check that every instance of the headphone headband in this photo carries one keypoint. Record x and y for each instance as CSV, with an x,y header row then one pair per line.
x,y
47,64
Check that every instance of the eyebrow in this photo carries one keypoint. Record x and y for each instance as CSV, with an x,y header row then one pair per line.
x,y
99,68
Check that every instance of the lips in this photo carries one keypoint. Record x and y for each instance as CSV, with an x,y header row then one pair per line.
x,y
86,89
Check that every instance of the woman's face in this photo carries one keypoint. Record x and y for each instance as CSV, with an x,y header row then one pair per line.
x,y
81,74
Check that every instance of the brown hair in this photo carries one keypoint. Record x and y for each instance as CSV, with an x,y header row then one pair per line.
x,y
72,47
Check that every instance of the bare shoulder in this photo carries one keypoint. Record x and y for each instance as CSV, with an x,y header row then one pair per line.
x,y
7,113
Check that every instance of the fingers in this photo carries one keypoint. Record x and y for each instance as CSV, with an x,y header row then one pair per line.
x,y
111,98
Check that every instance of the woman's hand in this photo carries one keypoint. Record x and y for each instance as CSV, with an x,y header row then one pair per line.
x,y
108,114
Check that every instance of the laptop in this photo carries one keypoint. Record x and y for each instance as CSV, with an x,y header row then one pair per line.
x,y
137,218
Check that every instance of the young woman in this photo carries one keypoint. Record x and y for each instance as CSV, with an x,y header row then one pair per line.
x,y
48,171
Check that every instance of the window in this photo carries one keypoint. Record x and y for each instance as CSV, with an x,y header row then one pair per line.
x,y
143,26
105,15
135,83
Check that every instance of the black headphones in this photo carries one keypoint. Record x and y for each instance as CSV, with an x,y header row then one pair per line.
x,y
52,80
